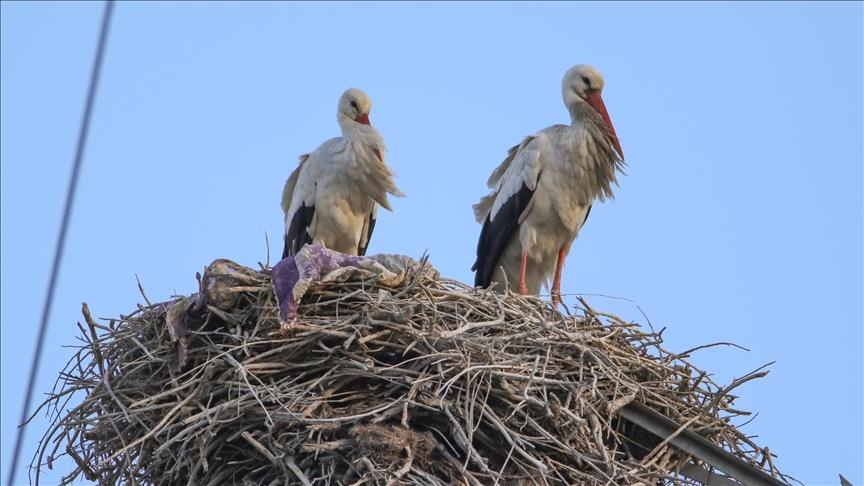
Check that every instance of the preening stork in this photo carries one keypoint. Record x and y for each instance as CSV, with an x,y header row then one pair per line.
x,y
333,195
543,191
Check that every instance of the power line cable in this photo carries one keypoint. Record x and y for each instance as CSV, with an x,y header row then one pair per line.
x,y
64,226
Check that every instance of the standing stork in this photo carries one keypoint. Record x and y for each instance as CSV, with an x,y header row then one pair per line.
x,y
332,196
543,191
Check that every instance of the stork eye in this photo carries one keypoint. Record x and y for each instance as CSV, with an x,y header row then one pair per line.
x,y
353,104
586,81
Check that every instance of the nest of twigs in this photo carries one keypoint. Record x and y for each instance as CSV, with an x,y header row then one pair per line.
x,y
430,383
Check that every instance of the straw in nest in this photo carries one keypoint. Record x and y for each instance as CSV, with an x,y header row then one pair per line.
x,y
428,382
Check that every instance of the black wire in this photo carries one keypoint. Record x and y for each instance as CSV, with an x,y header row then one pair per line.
x,y
64,225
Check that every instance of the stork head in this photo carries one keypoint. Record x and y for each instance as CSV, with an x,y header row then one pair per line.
x,y
583,84
354,105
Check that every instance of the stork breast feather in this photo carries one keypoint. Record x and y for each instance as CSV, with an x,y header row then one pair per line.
x,y
376,180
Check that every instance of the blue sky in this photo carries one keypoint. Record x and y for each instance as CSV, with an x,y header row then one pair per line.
x,y
739,219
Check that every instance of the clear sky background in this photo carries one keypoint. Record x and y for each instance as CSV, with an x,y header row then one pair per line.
x,y
740,217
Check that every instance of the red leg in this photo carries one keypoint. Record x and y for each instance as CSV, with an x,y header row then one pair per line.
x,y
556,283
523,289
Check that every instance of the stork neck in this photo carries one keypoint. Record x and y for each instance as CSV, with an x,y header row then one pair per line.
x,y
350,128
580,112
353,131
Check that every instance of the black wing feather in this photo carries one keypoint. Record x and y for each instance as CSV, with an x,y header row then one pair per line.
x,y
361,250
496,234
586,216
298,231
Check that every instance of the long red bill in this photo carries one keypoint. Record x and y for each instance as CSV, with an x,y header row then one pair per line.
x,y
596,102
363,118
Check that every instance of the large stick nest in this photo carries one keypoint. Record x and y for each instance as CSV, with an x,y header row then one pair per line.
x,y
432,382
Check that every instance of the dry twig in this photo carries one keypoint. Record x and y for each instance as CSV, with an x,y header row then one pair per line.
x,y
430,383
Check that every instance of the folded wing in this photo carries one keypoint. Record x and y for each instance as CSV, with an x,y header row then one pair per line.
x,y
502,211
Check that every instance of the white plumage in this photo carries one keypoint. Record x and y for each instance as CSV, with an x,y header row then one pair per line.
x,y
543,191
332,196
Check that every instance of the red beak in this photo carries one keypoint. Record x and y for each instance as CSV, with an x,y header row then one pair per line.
x,y
596,102
363,118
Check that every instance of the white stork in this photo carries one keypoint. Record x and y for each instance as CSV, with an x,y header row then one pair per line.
x,y
332,196
543,191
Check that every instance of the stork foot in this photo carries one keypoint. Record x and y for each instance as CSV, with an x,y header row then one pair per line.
x,y
556,298
523,289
